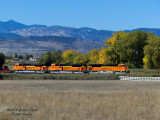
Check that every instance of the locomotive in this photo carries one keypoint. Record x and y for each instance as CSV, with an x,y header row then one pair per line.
x,y
28,68
75,68
109,68
62,68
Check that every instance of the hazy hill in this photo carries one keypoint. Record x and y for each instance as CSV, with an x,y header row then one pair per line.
x,y
11,26
9,35
39,45
42,30
155,31
81,33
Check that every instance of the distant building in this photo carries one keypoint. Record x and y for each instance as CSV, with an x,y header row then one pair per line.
x,y
34,58
16,59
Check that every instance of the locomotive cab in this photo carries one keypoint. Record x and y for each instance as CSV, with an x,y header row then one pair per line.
x,y
29,68
54,67
17,64
18,67
123,67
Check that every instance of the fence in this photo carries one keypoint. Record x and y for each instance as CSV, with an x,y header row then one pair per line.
x,y
139,78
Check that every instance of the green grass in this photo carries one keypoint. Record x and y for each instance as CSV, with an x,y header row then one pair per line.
x,y
133,72
144,73
14,76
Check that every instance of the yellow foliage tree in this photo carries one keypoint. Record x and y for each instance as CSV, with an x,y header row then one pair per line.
x,y
68,56
103,58
93,56
152,53
116,37
80,59
7,60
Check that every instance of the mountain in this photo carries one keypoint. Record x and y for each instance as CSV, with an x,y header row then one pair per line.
x,y
81,33
11,26
153,30
43,30
9,35
39,45
36,39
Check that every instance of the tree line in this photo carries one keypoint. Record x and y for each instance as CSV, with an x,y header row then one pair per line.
x,y
137,49
71,57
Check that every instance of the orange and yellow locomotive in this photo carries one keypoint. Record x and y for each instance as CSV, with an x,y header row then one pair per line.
x,y
76,68
62,68
28,68
99,68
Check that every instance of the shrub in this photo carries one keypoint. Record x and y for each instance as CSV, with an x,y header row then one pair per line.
x,y
13,76
1,77
130,65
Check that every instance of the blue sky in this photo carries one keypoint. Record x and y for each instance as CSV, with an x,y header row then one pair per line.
x,y
99,14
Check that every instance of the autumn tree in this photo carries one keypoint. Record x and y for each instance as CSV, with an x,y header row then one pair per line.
x,y
56,57
81,59
51,57
14,56
46,58
93,56
152,52
114,47
127,47
68,56
103,56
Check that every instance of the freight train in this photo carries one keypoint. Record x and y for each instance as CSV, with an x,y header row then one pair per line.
x,y
76,68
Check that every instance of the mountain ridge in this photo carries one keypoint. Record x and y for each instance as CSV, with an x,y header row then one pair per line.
x,y
84,33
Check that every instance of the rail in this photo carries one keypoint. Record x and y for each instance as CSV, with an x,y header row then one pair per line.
x,y
139,78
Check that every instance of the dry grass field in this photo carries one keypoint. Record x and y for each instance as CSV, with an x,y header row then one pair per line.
x,y
79,100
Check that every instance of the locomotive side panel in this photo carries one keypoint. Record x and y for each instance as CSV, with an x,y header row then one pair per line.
x,y
18,68
104,68
66,68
